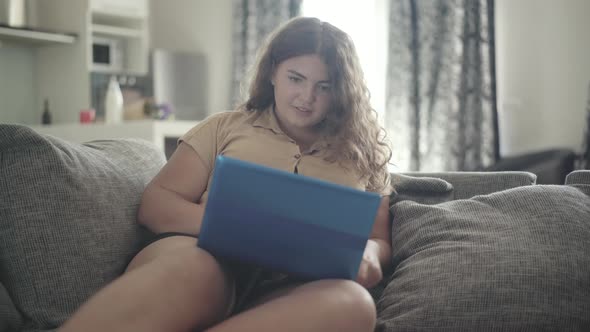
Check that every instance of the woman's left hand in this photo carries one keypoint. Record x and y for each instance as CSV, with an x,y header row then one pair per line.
x,y
370,272
378,249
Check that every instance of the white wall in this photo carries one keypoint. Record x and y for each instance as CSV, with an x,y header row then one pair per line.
x,y
17,94
543,73
203,26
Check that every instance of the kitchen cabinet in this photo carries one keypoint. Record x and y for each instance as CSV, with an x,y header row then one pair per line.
x,y
63,73
125,23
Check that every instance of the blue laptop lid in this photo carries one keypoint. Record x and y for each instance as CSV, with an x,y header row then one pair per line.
x,y
286,222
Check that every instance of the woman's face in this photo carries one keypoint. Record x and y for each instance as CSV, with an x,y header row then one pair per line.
x,y
302,94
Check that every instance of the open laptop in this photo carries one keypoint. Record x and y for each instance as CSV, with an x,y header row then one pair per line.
x,y
286,222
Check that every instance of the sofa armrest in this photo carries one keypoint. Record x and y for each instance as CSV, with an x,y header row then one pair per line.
x,y
10,319
469,184
579,179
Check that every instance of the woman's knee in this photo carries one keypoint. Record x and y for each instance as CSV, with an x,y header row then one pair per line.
x,y
354,307
188,266
160,248
187,279
192,278
361,305
178,262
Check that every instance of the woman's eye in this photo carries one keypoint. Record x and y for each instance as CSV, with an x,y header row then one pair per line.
x,y
325,88
294,79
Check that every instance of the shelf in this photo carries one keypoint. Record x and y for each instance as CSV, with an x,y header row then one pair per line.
x,y
102,14
27,36
116,31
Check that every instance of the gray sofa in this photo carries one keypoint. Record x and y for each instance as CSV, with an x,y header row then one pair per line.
x,y
517,257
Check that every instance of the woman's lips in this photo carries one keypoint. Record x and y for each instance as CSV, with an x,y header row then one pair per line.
x,y
303,109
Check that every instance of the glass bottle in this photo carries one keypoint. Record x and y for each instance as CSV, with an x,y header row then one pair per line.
x,y
46,116
113,102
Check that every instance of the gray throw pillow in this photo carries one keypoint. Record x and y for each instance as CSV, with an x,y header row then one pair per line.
x,y
425,190
514,260
67,218
10,320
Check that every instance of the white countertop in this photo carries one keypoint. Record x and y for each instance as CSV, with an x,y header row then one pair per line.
x,y
151,130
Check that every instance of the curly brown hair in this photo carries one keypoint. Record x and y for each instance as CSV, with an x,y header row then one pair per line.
x,y
351,125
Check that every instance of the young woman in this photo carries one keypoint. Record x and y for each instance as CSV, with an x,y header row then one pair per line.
x,y
307,112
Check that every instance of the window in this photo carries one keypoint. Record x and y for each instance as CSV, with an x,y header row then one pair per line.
x,y
366,22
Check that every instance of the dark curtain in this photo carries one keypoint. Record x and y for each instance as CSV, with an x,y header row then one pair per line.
x,y
253,21
441,96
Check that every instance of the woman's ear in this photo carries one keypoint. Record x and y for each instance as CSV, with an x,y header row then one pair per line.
x,y
273,71
273,77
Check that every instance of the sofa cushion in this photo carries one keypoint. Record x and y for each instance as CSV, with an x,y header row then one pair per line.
x,y
513,260
67,218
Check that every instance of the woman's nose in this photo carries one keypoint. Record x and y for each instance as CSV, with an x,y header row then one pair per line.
x,y
309,93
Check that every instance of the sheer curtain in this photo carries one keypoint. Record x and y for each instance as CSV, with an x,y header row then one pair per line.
x,y
253,21
366,23
441,103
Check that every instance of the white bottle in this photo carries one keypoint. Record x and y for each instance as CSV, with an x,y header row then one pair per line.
x,y
113,102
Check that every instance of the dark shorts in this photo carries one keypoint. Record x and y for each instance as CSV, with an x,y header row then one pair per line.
x,y
250,282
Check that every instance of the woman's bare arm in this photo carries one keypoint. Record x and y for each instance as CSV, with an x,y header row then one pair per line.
x,y
380,239
169,203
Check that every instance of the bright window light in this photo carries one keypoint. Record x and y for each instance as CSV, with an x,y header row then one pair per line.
x,y
366,22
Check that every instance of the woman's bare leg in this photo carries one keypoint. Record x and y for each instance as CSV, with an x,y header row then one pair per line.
x,y
171,285
326,305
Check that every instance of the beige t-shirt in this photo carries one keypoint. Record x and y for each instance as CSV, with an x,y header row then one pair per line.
x,y
256,137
